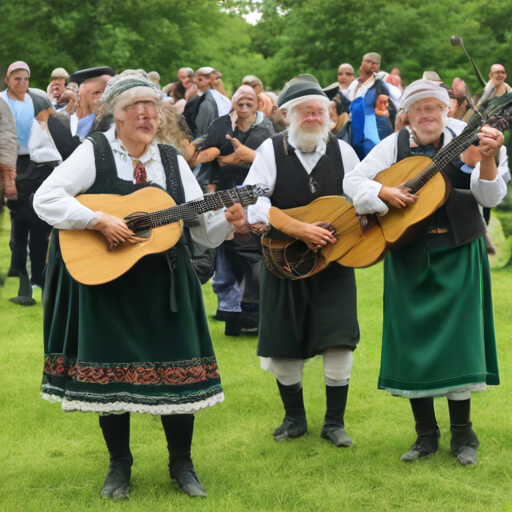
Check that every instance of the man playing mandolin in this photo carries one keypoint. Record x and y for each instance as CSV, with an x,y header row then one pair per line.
x,y
438,334
316,315
139,343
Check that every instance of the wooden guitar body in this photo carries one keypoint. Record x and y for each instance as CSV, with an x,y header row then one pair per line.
x,y
85,251
290,258
399,225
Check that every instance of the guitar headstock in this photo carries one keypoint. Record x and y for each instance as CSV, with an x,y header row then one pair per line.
x,y
245,195
498,113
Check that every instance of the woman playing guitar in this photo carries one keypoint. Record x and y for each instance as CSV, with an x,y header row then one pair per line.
x,y
139,343
438,334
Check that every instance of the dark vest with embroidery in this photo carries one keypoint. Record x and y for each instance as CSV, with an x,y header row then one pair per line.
x,y
460,214
108,182
294,186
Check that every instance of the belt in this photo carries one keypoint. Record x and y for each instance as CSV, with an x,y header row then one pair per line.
x,y
437,231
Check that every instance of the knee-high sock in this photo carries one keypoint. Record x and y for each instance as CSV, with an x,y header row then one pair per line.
x,y
293,399
116,432
460,412
179,429
336,398
424,414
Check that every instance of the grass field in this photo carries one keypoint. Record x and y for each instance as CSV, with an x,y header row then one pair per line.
x,y
55,461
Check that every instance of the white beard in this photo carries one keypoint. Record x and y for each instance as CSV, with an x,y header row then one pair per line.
x,y
307,139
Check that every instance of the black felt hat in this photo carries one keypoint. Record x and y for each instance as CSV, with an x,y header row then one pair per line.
x,y
85,74
302,86
332,90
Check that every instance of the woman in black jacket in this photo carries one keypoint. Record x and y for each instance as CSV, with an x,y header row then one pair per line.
x,y
236,281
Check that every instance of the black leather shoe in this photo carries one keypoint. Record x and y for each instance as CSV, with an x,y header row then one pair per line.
x,y
426,444
291,428
117,481
464,444
183,473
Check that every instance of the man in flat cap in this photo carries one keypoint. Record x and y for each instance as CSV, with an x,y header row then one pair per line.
x,y
67,128
316,315
372,114
23,179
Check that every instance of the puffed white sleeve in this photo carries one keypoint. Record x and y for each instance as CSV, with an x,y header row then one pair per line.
x,y
491,193
213,227
262,171
55,202
359,185
348,155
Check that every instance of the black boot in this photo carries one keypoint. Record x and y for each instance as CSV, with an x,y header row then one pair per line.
x,y
464,444
427,442
116,431
179,430
181,469
294,423
334,424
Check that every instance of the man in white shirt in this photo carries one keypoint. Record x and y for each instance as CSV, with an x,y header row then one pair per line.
x,y
316,315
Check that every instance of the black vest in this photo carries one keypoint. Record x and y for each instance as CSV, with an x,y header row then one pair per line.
x,y
460,214
294,186
108,182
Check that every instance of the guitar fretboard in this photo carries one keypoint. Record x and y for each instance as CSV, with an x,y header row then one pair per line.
x,y
244,195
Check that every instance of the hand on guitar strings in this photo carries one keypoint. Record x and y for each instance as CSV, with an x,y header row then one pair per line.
x,y
399,197
115,231
235,215
315,236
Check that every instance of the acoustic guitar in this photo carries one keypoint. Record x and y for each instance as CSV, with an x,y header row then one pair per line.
x,y
365,240
150,213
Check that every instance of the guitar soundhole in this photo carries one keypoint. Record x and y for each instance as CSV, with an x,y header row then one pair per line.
x,y
142,233
300,260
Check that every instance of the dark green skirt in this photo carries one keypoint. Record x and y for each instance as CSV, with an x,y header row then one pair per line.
x,y
118,346
438,334
299,319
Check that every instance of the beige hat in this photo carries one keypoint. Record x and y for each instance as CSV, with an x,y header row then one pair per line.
x,y
59,73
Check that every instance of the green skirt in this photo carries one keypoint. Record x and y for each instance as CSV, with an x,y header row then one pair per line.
x,y
118,347
438,335
299,319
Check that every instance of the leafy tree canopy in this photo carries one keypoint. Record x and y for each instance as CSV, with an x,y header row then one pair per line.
x,y
292,36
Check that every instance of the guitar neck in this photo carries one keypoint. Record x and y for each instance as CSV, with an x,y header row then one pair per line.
x,y
445,155
210,202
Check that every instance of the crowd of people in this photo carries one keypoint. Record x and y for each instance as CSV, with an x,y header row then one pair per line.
x,y
141,342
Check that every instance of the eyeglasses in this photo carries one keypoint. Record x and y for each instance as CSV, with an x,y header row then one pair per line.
x,y
312,113
429,109
499,73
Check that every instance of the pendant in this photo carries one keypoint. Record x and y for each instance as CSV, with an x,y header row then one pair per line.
x,y
313,185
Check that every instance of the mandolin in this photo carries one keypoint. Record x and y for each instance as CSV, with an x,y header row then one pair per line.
x,y
365,240
150,213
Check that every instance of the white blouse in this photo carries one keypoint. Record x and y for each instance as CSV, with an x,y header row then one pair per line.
x,y
55,201
263,171
364,191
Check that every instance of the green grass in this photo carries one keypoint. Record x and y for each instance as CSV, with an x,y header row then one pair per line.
x,y
55,461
